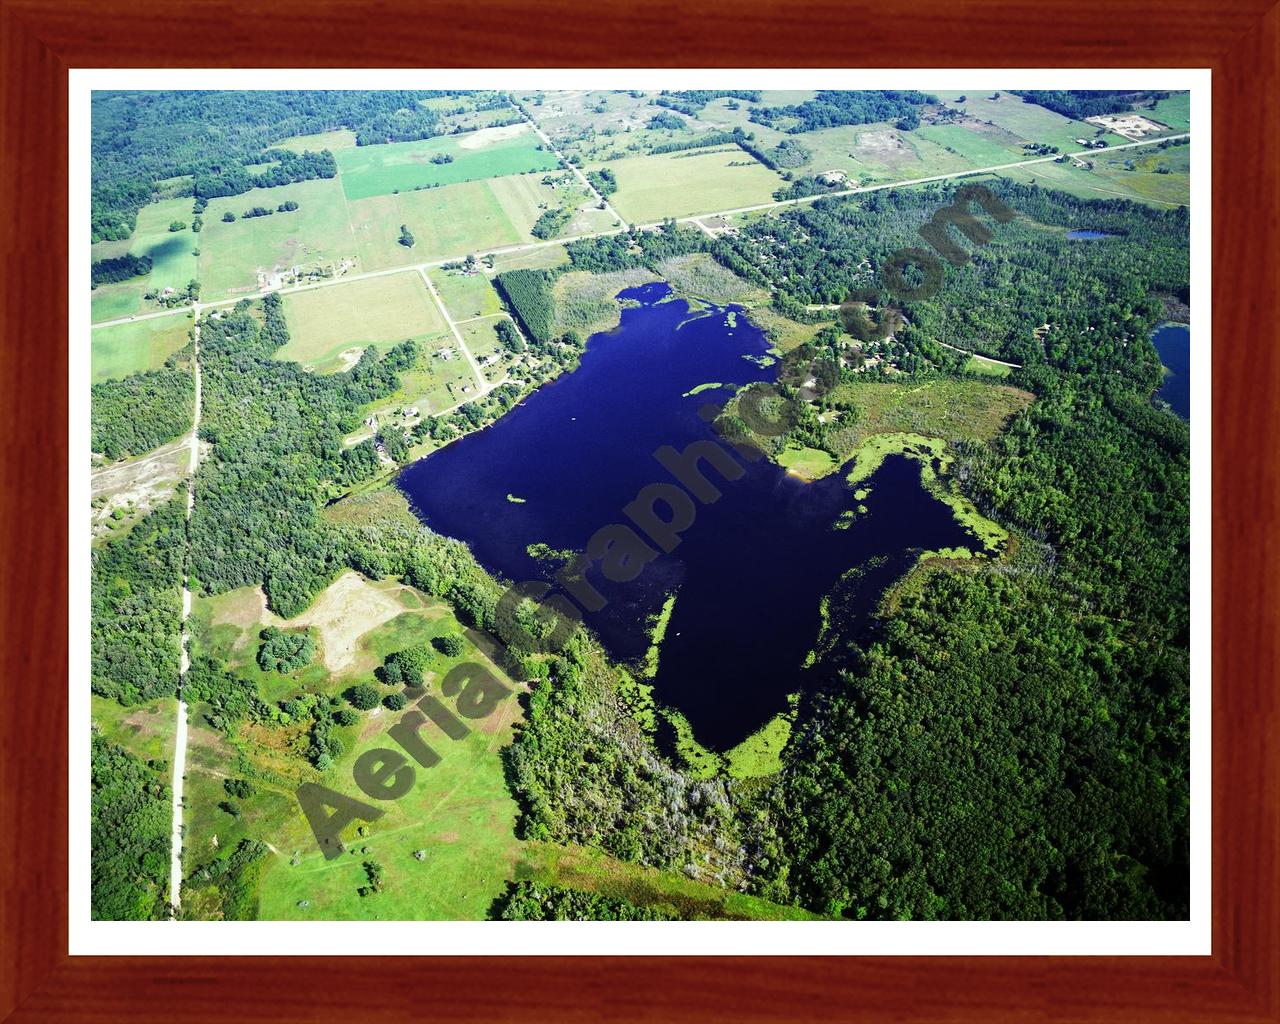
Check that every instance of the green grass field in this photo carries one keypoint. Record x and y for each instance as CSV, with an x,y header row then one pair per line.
x,y
677,184
315,234
172,263
976,364
401,166
878,152
327,321
145,730
341,138
1029,121
1175,111
465,295
471,217
981,150
113,301
125,349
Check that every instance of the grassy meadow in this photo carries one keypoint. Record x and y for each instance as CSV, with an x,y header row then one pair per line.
x,y
316,234
326,322
124,349
1029,121
679,184
367,171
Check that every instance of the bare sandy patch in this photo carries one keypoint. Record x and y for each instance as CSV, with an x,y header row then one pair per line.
x,y
487,136
348,358
346,611
243,608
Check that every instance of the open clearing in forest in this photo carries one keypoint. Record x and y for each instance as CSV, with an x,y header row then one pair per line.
x,y
679,184
125,349
349,608
326,322
340,138
949,408
368,171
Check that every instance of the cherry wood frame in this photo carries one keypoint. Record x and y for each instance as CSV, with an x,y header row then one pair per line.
x,y
41,39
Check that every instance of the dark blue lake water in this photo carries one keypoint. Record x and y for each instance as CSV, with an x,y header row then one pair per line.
x,y
751,571
1173,342
1084,234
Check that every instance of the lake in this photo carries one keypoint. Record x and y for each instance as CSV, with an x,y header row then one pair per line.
x,y
1083,234
1173,342
751,571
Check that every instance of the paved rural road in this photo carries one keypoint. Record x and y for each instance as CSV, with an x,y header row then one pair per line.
x,y
180,740
693,219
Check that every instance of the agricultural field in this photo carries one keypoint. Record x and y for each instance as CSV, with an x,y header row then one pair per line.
x,y
1175,111
115,301
471,217
868,154
341,138
172,263
544,257
403,166
465,295
1029,121
249,254
331,326
124,349
679,184
981,144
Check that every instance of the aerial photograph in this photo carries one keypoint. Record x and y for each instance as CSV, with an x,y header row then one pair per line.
x,y
638,505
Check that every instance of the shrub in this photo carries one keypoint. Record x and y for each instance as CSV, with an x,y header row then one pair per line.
x,y
284,652
448,645
363,696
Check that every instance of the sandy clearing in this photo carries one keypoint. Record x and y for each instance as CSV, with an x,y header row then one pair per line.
x,y
487,136
343,613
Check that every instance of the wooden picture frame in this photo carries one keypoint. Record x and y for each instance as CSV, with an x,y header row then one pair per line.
x,y
40,40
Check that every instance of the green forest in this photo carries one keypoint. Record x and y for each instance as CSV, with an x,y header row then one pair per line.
x,y
143,411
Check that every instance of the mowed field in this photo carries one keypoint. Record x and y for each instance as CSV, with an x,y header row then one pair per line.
x,y
172,263
679,184
1029,121
341,138
403,166
124,349
465,295
981,145
471,217
316,233
331,325
1175,111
